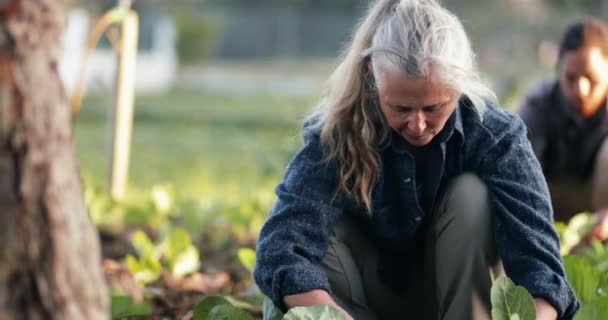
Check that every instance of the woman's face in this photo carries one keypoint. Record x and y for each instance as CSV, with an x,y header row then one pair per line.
x,y
416,108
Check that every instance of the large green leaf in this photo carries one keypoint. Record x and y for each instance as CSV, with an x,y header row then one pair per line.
x,y
229,312
594,310
317,312
247,258
202,309
123,306
511,302
583,277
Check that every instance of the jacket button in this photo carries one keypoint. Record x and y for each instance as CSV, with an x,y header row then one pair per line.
x,y
418,219
407,180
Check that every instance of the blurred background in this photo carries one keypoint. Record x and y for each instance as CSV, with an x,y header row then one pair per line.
x,y
222,87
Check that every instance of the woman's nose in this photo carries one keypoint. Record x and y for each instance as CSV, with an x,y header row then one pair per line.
x,y
418,123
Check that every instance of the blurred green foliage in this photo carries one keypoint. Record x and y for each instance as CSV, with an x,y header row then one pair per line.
x,y
204,161
196,34
175,252
124,306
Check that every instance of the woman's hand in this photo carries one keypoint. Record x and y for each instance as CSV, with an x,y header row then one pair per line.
x,y
544,310
313,297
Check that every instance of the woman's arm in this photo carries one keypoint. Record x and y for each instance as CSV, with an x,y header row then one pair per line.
x,y
524,234
293,240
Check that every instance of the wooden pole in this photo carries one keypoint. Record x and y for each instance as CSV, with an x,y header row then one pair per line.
x,y
121,115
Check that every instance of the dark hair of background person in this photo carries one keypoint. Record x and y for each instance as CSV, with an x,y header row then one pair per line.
x,y
588,32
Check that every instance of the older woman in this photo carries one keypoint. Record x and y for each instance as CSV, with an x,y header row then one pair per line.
x,y
411,183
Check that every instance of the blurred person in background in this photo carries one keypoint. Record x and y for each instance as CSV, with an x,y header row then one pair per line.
x,y
567,124
412,182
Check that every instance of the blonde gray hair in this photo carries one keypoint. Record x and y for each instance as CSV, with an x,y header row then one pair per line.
x,y
418,38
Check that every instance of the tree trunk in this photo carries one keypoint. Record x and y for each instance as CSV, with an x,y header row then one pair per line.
x,y
50,264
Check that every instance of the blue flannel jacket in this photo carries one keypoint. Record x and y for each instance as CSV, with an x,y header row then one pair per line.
x,y
494,146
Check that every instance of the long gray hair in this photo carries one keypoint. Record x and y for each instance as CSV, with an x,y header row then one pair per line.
x,y
418,38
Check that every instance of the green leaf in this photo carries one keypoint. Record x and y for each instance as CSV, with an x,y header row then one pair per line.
x,y
229,312
247,258
583,277
202,309
179,241
142,243
182,256
317,312
145,270
594,310
270,311
123,306
186,262
511,302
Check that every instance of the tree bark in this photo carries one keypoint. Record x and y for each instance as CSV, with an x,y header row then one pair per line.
x,y
50,264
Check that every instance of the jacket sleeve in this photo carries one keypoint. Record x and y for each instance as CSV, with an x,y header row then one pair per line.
x,y
523,223
294,238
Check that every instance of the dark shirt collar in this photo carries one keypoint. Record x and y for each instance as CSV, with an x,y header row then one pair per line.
x,y
452,126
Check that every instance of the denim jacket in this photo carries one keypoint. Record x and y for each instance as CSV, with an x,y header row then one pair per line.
x,y
494,146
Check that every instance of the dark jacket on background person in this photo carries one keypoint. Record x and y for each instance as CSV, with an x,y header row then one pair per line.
x,y
565,143
494,146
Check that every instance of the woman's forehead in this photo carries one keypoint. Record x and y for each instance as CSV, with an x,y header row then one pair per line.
x,y
396,87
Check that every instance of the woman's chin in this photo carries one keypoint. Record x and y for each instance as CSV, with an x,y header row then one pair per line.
x,y
418,141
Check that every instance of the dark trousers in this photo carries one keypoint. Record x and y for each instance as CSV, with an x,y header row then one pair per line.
x,y
570,196
458,254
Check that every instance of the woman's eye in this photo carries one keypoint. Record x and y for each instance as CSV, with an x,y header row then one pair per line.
x,y
401,109
432,108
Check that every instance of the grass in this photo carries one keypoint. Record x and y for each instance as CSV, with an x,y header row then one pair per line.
x,y
218,150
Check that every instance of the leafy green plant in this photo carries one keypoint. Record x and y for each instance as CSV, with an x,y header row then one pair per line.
x,y
145,269
584,278
181,255
572,233
511,302
318,312
124,306
594,310
177,252
219,308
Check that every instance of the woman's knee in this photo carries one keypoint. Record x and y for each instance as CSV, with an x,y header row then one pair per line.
x,y
342,269
467,202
